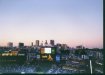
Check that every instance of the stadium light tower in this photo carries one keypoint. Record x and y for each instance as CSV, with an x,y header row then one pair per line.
x,y
90,58
91,66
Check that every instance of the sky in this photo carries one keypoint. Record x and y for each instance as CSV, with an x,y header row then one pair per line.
x,y
73,22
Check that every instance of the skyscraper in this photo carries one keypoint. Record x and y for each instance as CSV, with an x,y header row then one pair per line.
x,y
31,43
37,42
52,42
10,44
46,43
42,43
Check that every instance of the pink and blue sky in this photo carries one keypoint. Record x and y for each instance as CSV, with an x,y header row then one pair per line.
x,y
74,22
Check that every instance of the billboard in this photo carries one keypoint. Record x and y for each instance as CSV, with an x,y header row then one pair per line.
x,y
58,58
21,54
44,56
42,51
47,50
53,50
48,57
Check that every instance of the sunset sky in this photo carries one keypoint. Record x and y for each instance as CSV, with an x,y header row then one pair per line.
x,y
74,22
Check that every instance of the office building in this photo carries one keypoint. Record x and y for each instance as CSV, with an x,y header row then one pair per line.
x,y
42,43
46,43
37,42
31,43
10,44
52,42
64,46
21,44
79,47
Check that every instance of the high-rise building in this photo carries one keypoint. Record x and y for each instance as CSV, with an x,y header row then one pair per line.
x,y
46,43
21,44
42,43
79,47
37,42
52,42
64,46
31,43
10,44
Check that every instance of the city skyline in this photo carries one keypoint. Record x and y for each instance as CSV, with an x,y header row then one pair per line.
x,y
43,43
73,22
